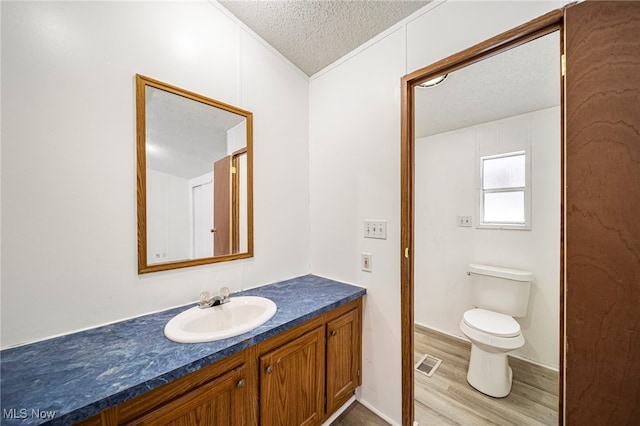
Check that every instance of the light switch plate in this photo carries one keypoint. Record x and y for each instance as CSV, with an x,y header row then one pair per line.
x,y
375,229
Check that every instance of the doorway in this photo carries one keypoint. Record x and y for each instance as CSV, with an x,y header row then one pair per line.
x,y
600,233
501,116
411,126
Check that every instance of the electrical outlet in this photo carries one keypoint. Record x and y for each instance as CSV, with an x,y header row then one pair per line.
x,y
375,229
366,262
464,221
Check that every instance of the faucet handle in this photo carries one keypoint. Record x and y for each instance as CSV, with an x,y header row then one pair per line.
x,y
204,297
225,292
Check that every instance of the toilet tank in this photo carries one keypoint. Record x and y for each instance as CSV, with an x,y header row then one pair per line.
x,y
500,290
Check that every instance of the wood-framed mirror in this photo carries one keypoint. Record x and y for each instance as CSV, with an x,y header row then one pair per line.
x,y
194,178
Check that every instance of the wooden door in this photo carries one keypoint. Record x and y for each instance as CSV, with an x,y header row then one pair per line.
x,y
292,382
343,358
220,402
602,213
222,205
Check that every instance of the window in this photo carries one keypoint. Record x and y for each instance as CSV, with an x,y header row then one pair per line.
x,y
505,191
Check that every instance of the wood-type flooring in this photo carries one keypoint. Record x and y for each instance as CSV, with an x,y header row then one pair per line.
x,y
358,415
447,399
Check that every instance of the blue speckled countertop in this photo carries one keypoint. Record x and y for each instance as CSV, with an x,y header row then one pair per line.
x,y
78,375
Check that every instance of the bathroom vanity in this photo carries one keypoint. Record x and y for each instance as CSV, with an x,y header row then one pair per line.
x,y
298,368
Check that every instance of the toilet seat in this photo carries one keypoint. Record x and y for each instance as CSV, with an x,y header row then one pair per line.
x,y
492,323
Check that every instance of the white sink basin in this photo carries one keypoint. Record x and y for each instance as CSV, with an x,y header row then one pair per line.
x,y
240,315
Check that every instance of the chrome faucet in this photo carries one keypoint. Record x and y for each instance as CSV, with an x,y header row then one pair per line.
x,y
206,301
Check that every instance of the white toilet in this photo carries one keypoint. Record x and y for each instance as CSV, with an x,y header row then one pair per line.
x,y
499,294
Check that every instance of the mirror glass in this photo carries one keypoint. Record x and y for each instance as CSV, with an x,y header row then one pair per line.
x,y
491,110
194,178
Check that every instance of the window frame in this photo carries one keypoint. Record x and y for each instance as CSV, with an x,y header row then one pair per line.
x,y
526,225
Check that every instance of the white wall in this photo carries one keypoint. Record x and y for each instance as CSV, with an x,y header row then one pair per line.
x,y
446,182
236,137
355,159
355,175
68,156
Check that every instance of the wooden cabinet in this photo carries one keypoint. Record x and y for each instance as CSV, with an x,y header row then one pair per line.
x,y
291,382
298,377
343,358
309,372
216,403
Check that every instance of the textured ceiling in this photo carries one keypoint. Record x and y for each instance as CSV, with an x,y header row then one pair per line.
x,y
313,34
184,137
521,80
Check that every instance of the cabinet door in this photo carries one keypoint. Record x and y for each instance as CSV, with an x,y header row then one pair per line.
x,y
291,382
343,358
219,402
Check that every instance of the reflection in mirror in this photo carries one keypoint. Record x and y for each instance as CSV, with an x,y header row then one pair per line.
x,y
503,107
194,178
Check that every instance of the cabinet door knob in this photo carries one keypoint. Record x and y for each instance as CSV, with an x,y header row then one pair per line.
x,y
240,383
333,332
268,370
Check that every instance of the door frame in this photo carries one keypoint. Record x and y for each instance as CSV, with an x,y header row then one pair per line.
x,y
236,206
541,26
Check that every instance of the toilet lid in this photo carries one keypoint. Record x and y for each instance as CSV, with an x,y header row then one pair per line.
x,y
492,322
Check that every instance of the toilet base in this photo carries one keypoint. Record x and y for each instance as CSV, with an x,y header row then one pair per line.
x,y
489,372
